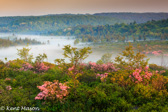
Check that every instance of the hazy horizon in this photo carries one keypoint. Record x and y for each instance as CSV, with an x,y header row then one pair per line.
x,y
77,14
46,7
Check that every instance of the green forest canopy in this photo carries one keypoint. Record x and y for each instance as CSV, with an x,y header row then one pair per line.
x,y
48,23
149,30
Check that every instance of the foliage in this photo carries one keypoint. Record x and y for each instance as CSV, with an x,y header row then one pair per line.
x,y
15,63
121,77
11,96
131,60
41,57
24,54
75,56
159,82
156,67
76,41
106,58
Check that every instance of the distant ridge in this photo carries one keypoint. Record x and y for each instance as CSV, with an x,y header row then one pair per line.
x,y
138,17
46,23
53,22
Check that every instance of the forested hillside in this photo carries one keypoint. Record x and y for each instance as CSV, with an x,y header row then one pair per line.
x,y
138,17
39,24
49,23
120,32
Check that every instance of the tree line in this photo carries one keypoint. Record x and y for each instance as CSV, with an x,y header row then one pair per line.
x,y
50,23
14,42
151,30
43,24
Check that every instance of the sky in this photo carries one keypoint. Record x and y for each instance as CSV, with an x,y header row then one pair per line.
x,y
43,7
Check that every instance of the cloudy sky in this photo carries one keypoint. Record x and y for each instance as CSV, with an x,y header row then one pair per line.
x,y
42,7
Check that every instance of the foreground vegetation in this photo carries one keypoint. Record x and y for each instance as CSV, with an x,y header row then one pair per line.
x,y
128,84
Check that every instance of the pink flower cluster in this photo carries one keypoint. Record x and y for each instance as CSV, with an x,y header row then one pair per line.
x,y
162,71
139,75
40,67
71,68
83,64
157,53
52,90
7,79
102,76
8,88
109,67
165,54
78,68
26,66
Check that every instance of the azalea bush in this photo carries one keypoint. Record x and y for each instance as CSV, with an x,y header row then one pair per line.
x,y
40,67
109,67
141,76
20,65
102,76
52,91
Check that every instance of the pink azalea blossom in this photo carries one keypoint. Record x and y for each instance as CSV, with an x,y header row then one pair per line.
x,y
52,90
162,71
8,88
102,76
7,79
40,67
72,68
109,67
139,77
